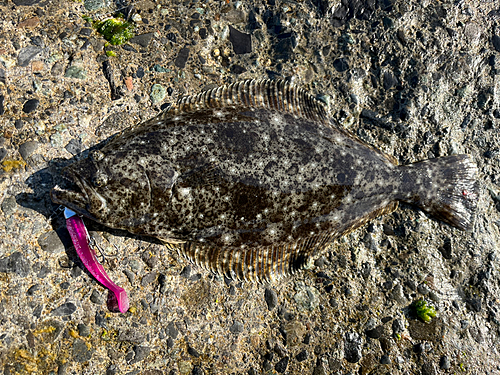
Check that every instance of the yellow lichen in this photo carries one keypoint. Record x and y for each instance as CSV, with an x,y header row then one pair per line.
x,y
9,164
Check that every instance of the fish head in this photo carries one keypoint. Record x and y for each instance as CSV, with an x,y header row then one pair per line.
x,y
113,189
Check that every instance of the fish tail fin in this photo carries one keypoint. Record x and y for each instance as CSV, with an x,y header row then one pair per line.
x,y
446,187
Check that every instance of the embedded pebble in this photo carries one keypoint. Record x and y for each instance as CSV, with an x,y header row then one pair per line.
x,y
65,309
444,363
281,366
81,353
385,360
74,146
242,43
27,54
27,149
271,298
149,278
172,331
236,328
131,335
30,105
15,263
352,347
158,93
9,206
83,330
302,356
307,298
182,58
142,40
141,352
51,241
75,72
96,298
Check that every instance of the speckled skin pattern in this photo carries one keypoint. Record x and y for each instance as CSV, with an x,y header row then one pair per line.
x,y
251,181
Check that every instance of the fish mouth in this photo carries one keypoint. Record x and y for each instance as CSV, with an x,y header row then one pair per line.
x,y
75,197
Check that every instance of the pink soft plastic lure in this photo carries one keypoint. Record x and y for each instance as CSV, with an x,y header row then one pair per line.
x,y
80,236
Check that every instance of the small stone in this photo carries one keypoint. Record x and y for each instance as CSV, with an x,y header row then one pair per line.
x,y
446,249
142,40
186,272
158,93
80,351
341,65
193,352
385,360
302,356
423,289
495,40
28,148
307,298
397,326
429,369
236,328
271,298
444,363
83,330
2,109
3,153
131,335
18,124
474,304
9,206
30,105
141,352
375,333
96,298
51,241
172,330
281,366
57,69
92,5
320,368
63,368
197,370
170,342
398,294
149,278
100,319
15,263
33,289
75,72
182,58
388,229
29,22
112,370
389,80
27,54
352,347
65,309
242,43
74,146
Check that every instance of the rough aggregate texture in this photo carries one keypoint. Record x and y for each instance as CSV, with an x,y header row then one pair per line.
x,y
416,79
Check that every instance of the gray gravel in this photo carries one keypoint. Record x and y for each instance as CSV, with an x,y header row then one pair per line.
x,y
415,78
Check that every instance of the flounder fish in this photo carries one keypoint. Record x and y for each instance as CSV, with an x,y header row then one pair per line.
x,y
252,180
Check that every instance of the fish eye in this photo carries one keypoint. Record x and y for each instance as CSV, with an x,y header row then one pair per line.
x,y
100,180
97,155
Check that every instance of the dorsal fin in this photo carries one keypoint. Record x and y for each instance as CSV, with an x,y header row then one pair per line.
x,y
265,93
